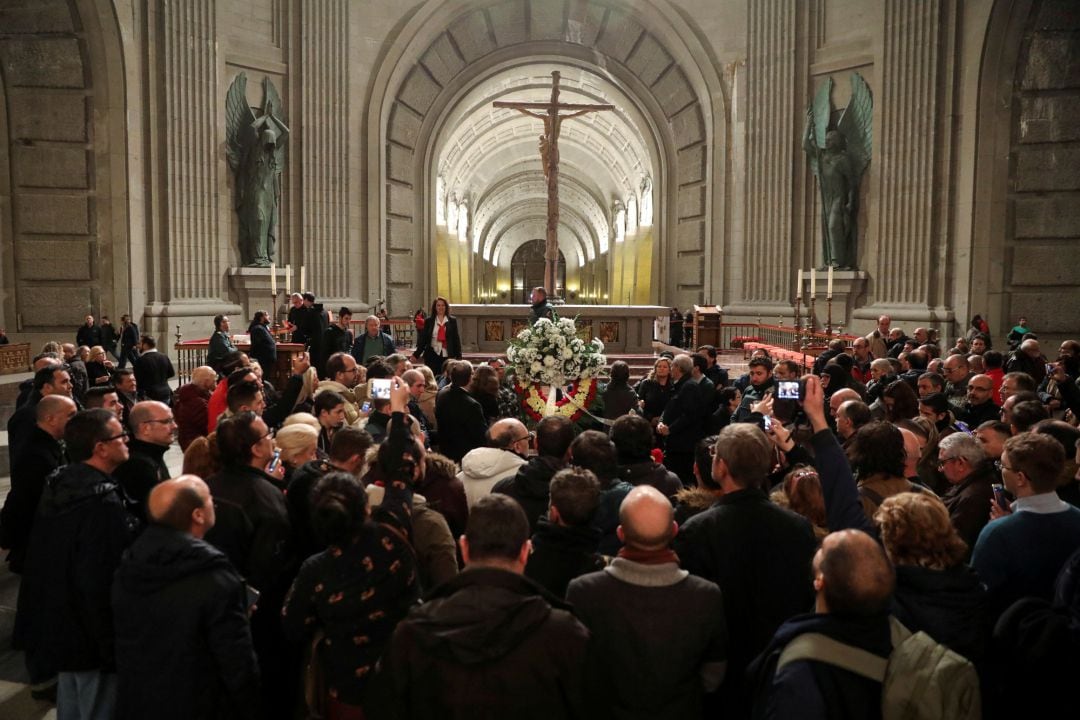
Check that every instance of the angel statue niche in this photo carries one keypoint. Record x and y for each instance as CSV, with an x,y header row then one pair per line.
x,y
838,158
256,150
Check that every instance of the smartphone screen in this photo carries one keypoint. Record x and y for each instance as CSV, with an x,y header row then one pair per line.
x,y
380,388
787,390
999,495
366,407
768,424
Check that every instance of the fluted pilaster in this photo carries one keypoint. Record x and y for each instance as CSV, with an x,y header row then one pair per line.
x,y
324,101
911,73
193,248
771,143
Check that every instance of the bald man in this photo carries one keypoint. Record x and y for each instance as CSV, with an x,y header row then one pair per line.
x,y
508,444
853,583
152,429
658,635
42,453
840,397
183,644
979,407
192,400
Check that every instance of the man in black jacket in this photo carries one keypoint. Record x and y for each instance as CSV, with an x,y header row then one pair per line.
x,y
49,380
337,338
183,644
461,421
221,343
633,440
153,429
64,620
42,453
129,340
152,372
759,554
490,630
268,561
565,543
88,334
683,421
531,485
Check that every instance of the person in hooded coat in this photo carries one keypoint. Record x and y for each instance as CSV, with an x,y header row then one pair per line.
x,y
183,643
489,644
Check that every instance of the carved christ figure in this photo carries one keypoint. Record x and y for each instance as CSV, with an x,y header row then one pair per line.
x,y
552,115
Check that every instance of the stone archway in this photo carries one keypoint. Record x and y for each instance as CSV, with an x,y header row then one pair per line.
x,y
648,50
1026,192
63,227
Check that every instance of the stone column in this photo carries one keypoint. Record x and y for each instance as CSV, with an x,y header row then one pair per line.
x,y
772,141
193,249
323,149
908,224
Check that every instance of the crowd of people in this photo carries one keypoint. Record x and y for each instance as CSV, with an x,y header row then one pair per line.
x,y
386,536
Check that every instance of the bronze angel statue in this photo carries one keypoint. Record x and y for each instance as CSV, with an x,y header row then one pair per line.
x,y
838,158
256,150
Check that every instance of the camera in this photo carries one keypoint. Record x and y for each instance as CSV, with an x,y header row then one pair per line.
x,y
380,388
787,398
791,390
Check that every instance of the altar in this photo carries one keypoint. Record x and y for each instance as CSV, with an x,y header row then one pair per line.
x,y
624,329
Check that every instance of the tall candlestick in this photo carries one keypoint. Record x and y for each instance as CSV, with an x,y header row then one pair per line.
x,y
828,292
813,283
302,273
798,286
288,281
273,279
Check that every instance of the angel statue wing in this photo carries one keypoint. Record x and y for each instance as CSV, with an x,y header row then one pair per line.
x,y
238,121
275,111
856,124
817,123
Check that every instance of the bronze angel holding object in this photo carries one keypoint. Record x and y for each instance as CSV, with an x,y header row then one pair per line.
x,y
838,156
255,146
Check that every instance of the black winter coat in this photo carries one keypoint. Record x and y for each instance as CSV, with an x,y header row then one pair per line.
x,y
760,555
948,605
649,472
561,554
263,347
270,562
40,456
144,468
684,416
531,487
183,644
488,645
461,422
65,617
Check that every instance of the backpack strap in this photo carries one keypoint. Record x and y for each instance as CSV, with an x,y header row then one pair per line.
x,y
822,648
871,495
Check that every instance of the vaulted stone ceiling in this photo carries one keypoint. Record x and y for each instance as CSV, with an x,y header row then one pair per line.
x,y
488,160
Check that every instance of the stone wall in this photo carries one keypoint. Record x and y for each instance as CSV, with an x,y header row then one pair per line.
x,y
48,189
1043,243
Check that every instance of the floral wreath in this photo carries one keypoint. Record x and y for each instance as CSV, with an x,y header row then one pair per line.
x,y
550,355
578,396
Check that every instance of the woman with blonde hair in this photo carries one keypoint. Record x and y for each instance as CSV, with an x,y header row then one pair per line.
x,y
655,390
97,366
427,398
936,592
297,442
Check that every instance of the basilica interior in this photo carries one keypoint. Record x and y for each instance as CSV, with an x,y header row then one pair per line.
x,y
402,181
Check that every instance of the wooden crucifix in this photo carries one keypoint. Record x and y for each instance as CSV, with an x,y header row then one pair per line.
x,y
552,113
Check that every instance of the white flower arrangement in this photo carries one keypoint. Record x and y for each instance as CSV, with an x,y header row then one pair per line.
x,y
551,353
